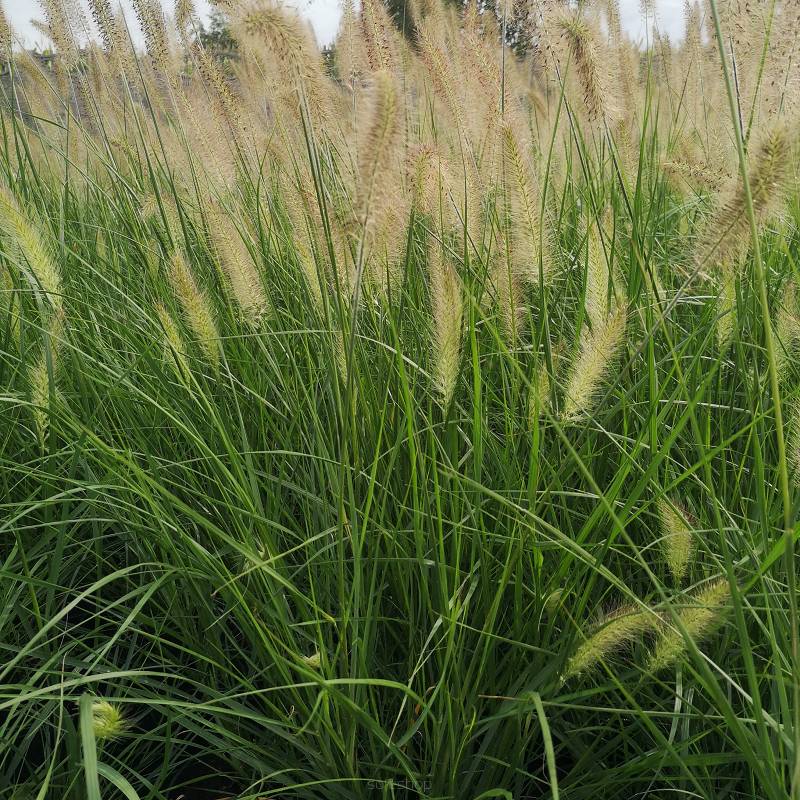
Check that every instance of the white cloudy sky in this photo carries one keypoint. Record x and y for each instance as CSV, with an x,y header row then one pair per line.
x,y
324,16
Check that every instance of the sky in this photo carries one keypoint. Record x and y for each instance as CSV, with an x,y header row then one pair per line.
x,y
324,16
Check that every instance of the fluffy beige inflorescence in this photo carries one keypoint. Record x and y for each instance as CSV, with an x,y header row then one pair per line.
x,y
6,34
26,238
586,50
598,276
597,351
285,37
525,210
365,157
447,306
242,278
727,232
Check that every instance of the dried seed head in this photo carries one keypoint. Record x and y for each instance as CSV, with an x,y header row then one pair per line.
x,y
440,69
154,27
60,31
681,174
584,48
727,233
243,280
226,104
106,23
291,44
447,306
379,37
350,50
382,127
6,34
185,15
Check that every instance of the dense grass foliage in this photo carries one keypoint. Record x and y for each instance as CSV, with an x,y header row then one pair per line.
x,y
418,422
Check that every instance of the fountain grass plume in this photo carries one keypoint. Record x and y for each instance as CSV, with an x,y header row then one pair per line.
x,y
447,308
677,538
616,631
595,356
196,307
703,614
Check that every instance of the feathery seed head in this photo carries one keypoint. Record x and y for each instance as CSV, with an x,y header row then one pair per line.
x,y
225,103
597,351
598,275
174,347
378,35
60,31
103,16
154,27
699,619
6,34
381,132
509,294
447,305
246,288
184,16
440,70
583,45
681,173
28,240
288,38
526,244
677,538
196,307
615,632
350,51
727,232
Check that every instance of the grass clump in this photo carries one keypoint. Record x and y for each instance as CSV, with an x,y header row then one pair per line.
x,y
339,391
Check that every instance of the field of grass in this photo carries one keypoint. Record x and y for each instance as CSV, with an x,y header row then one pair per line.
x,y
415,420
